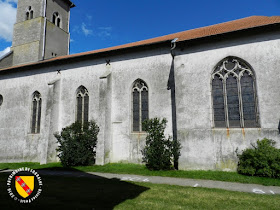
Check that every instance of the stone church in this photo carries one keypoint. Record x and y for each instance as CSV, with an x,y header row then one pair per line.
x,y
217,86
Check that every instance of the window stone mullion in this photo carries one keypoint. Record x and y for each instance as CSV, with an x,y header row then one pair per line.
x,y
240,102
225,101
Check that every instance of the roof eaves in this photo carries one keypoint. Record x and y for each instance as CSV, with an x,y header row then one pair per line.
x,y
228,32
6,55
124,47
71,4
79,55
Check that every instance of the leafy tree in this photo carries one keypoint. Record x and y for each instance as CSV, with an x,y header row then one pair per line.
x,y
159,151
261,160
77,144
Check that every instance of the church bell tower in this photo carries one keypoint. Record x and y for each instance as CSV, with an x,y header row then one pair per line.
x,y
41,30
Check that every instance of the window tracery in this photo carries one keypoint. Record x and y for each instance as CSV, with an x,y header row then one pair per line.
x,y
56,19
234,94
82,101
140,104
29,13
36,112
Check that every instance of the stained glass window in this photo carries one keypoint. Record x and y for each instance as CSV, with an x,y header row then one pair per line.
x,y
248,100
234,80
140,104
36,112
232,102
82,109
218,102
1,100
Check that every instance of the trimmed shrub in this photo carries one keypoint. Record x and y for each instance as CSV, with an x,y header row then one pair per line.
x,y
159,151
77,144
261,160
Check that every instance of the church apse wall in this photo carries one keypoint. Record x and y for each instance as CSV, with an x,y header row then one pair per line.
x,y
208,142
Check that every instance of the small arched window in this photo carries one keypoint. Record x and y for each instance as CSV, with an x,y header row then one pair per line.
x,y
234,94
82,104
36,112
56,19
1,100
140,104
29,13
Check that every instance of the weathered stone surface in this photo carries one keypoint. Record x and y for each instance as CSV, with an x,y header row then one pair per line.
x,y
38,38
110,97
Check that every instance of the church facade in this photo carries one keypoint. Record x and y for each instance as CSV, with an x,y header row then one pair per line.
x,y
217,86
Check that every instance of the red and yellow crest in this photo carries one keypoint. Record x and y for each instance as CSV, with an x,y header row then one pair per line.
x,y
24,185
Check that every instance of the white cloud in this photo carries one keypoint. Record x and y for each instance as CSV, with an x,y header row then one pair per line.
x,y
89,17
12,1
107,28
105,31
7,19
85,30
4,52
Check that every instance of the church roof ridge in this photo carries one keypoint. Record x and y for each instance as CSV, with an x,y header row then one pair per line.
x,y
207,31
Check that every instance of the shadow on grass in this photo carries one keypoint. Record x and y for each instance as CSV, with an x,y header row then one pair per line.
x,y
73,189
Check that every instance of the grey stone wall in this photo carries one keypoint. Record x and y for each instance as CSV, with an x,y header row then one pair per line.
x,y
22,7
39,38
6,61
63,10
56,41
206,147
109,87
110,106
28,31
28,34
26,53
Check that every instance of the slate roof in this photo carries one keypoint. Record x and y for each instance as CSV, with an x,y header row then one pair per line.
x,y
208,31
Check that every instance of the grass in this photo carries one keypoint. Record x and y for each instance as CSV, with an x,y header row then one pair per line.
x,y
28,165
93,192
177,197
122,168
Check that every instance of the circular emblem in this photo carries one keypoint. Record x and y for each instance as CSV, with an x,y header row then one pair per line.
x,y
24,185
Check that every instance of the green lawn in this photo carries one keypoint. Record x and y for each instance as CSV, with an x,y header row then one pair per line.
x,y
177,197
122,168
95,192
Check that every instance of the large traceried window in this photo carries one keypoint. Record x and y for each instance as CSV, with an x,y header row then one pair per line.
x,y
140,104
36,112
82,104
234,95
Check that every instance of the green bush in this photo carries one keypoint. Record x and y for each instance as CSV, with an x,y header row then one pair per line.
x,y
77,144
159,151
261,160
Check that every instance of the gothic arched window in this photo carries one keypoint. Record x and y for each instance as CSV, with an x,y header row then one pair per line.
x,y
1,100
140,104
234,95
36,112
56,19
82,104
29,13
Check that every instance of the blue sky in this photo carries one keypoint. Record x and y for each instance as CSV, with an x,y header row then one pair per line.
x,y
99,24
